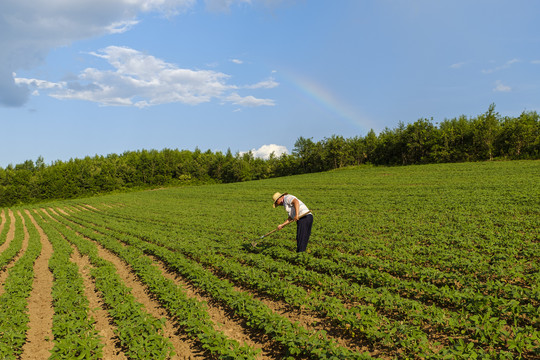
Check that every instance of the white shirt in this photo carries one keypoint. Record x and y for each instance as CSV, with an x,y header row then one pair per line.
x,y
289,207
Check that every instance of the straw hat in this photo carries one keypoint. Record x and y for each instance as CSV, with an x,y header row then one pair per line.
x,y
276,197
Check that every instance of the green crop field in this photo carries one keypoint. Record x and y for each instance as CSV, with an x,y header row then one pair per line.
x,y
431,261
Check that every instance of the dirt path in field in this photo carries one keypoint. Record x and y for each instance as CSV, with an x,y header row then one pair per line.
x,y
39,335
103,323
11,232
269,348
97,309
9,238
182,348
87,206
232,326
56,211
308,320
2,220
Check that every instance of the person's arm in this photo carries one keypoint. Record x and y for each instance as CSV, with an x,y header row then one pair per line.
x,y
296,205
287,222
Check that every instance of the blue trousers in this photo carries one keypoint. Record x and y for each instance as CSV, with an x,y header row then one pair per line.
x,y
303,231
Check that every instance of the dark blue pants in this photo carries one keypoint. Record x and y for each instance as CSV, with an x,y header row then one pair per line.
x,y
303,231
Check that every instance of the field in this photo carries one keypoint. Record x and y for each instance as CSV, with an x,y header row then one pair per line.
x,y
434,261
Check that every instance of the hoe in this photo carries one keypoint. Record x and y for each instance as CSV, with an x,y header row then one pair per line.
x,y
255,242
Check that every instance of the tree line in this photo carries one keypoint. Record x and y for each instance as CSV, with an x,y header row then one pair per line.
x,y
487,136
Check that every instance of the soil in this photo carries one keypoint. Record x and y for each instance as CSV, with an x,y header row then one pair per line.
x,y
223,318
11,231
39,336
182,348
307,319
232,326
9,238
103,322
2,220
40,306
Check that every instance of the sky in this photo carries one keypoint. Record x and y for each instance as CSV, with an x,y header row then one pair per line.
x,y
94,77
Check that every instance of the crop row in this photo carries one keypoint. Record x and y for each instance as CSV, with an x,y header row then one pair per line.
x,y
17,287
444,296
486,329
6,221
431,275
457,283
14,246
468,298
359,321
139,333
191,316
295,339
74,333
442,260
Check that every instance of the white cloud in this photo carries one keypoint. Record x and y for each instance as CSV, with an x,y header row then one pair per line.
x,y
249,100
223,5
502,67
266,84
535,62
457,65
38,84
31,28
500,87
237,61
121,26
143,80
264,151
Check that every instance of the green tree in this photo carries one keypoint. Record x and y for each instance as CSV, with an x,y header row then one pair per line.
x,y
371,142
486,129
456,140
335,154
517,136
420,139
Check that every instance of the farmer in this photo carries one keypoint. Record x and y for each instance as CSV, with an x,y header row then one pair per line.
x,y
297,212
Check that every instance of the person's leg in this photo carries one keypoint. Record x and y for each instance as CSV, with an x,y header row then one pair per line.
x,y
303,231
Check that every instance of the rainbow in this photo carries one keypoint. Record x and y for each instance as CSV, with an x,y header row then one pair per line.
x,y
328,100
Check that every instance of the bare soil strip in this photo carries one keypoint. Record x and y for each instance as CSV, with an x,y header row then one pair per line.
x,y
182,348
310,321
307,320
11,232
231,327
9,239
103,322
87,206
59,210
40,310
224,320
2,220
102,319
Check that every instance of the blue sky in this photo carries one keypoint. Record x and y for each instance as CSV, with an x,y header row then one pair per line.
x,y
91,77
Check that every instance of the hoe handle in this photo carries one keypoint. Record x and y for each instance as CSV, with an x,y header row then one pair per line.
x,y
271,232
254,244
276,229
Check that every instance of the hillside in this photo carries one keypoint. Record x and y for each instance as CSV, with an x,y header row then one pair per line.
x,y
416,261
487,136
